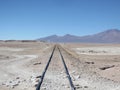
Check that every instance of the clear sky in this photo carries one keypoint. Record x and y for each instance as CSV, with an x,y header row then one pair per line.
x,y
31,19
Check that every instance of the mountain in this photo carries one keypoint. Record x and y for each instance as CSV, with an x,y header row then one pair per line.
x,y
108,36
65,38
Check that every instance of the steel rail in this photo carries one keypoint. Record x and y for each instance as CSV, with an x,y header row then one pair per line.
x,y
67,72
44,72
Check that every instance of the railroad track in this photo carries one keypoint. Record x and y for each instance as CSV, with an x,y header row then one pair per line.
x,y
47,66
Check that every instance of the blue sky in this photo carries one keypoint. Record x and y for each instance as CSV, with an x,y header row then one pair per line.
x,y
31,19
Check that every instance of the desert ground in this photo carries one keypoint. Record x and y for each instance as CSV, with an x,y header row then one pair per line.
x,y
91,66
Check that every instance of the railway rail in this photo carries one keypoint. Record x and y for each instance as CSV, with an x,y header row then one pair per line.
x,y
47,66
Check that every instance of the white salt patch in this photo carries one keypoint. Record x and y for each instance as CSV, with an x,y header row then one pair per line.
x,y
98,50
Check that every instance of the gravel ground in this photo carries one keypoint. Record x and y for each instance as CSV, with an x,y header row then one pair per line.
x,y
21,65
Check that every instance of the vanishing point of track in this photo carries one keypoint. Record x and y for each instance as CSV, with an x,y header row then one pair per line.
x,y
47,66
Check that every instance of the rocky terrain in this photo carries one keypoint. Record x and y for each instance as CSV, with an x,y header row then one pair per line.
x,y
91,66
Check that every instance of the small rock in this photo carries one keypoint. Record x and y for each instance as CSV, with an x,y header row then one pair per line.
x,y
37,63
18,81
3,83
89,62
39,76
17,77
85,86
35,85
78,87
37,80
16,84
12,87
24,80
10,81
106,67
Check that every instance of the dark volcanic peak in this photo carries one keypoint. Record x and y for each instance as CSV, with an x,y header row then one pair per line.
x,y
108,36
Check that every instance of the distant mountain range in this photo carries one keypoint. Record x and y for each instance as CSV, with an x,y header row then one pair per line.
x,y
108,36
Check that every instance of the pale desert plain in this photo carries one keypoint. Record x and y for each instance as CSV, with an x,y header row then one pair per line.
x,y
91,66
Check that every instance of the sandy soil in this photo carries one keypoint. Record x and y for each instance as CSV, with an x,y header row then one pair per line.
x,y
91,66
98,56
17,69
